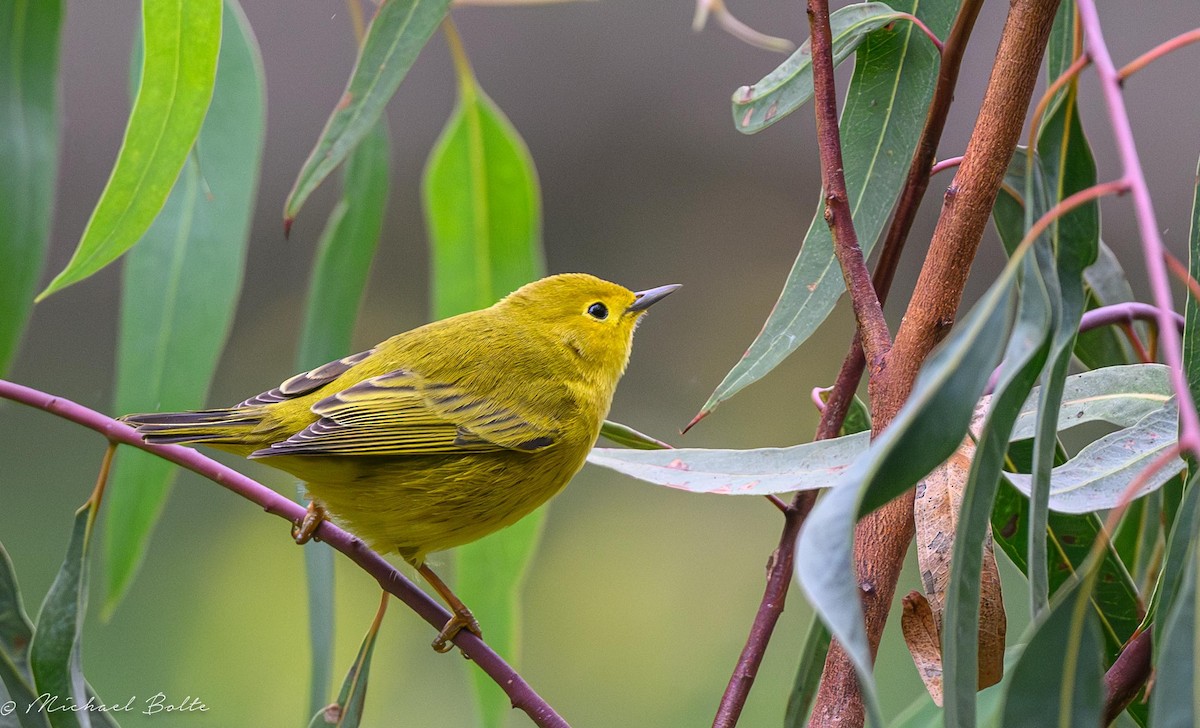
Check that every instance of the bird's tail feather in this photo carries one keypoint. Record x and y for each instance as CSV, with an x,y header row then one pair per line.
x,y
236,426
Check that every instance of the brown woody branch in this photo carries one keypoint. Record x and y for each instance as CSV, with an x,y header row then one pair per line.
x,y
882,538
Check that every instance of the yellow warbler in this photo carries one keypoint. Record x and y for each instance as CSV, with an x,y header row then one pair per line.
x,y
446,433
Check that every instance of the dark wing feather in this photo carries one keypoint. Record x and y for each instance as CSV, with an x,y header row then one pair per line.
x,y
309,381
402,413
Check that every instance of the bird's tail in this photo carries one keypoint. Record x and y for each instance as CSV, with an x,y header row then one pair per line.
x,y
237,426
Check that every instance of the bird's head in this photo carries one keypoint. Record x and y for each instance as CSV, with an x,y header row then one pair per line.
x,y
591,319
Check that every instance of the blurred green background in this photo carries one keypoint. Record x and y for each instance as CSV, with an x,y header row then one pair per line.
x,y
640,598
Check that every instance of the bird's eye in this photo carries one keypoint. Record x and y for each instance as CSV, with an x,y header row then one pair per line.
x,y
598,311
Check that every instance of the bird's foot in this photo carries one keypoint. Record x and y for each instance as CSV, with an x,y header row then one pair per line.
x,y
304,531
461,620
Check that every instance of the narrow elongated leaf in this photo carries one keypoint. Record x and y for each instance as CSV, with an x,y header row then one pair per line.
x,y
16,634
180,289
790,86
1120,395
29,41
396,35
181,42
1024,359
1115,595
760,471
927,429
894,75
1068,167
348,710
808,674
1175,701
56,654
1059,678
339,279
629,437
483,209
1094,479
16,631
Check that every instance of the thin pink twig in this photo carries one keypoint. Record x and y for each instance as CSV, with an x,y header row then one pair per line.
x,y
942,166
523,696
1143,205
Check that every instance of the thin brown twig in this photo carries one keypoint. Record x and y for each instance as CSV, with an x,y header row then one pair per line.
x,y
1157,52
842,393
882,538
872,326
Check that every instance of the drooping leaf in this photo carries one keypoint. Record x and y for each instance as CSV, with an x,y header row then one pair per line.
x,y
760,471
180,289
927,429
1024,359
1059,678
894,75
1175,701
29,42
483,209
1119,395
347,712
56,653
339,279
181,42
808,674
790,86
16,634
1115,597
396,35
1065,160
1094,479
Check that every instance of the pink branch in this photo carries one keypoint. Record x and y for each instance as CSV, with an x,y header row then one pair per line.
x,y
523,696
1152,245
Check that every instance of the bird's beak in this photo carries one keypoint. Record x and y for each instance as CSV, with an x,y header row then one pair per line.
x,y
643,300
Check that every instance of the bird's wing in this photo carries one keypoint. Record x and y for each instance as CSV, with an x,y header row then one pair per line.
x,y
307,382
403,413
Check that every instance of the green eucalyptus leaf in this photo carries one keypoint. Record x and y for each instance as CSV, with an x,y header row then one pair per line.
x,y
760,471
808,674
929,427
30,32
1059,678
56,653
629,437
180,290
483,210
347,712
790,86
181,42
398,32
1095,479
894,74
339,279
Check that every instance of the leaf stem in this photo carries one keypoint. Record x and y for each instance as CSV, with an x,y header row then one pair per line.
x,y
522,694
1157,52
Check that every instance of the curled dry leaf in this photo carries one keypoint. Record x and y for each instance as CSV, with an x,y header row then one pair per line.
x,y
920,630
938,501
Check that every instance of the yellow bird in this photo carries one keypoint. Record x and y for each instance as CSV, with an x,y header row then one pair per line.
x,y
445,433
